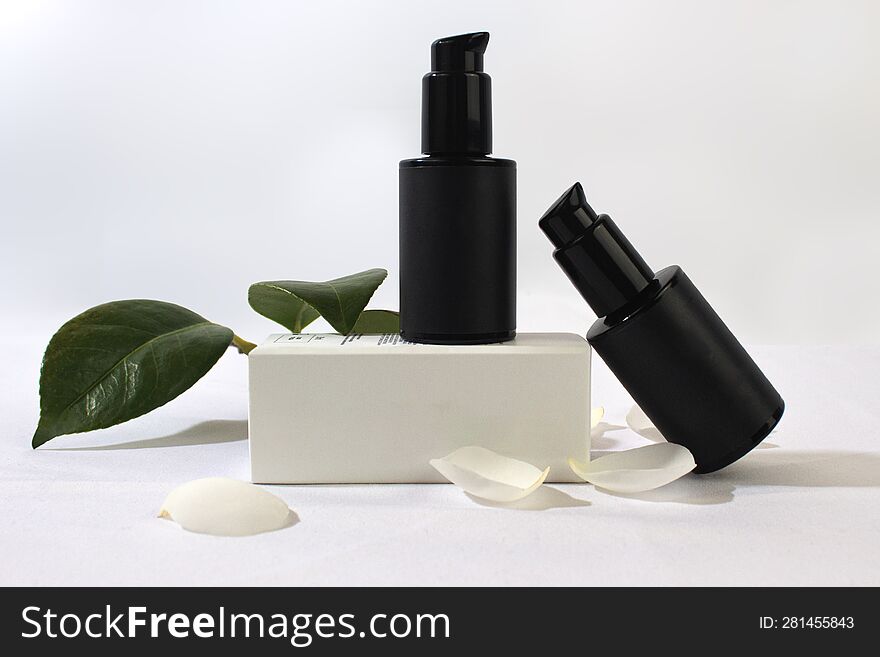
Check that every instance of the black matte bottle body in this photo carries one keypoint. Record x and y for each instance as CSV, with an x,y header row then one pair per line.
x,y
688,373
457,209
662,340
458,249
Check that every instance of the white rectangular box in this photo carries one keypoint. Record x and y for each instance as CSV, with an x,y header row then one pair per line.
x,y
327,408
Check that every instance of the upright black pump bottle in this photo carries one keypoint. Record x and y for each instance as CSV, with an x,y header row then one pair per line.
x,y
662,339
457,209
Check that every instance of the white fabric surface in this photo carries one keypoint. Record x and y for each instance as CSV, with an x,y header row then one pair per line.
x,y
82,509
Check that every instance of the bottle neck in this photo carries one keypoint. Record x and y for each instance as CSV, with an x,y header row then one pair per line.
x,y
604,267
456,113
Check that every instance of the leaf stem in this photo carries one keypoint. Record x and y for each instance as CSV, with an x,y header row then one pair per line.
x,y
243,346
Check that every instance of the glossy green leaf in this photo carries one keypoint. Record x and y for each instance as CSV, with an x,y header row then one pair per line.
x,y
377,321
295,304
273,300
120,360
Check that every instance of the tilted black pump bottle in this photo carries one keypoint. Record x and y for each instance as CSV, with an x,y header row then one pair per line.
x,y
662,340
457,209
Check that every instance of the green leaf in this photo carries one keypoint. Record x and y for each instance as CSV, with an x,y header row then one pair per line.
x,y
273,300
120,360
377,321
296,304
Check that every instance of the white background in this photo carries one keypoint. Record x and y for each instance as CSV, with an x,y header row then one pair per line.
x,y
182,150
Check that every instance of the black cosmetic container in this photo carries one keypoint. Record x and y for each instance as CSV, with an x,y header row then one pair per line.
x,y
662,340
457,209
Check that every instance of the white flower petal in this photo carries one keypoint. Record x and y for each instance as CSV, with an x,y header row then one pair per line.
x,y
596,416
225,507
636,470
642,425
637,420
483,473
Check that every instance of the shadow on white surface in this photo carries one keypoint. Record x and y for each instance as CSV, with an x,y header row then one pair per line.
x,y
832,468
292,519
598,439
546,497
210,432
692,489
808,469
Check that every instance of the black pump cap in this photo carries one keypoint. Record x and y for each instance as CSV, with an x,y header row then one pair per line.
x,y
457,98
601,263
462,53
569,217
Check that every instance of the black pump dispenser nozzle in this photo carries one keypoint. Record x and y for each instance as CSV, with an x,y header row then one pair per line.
x,y
604,267
457,98
459,54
